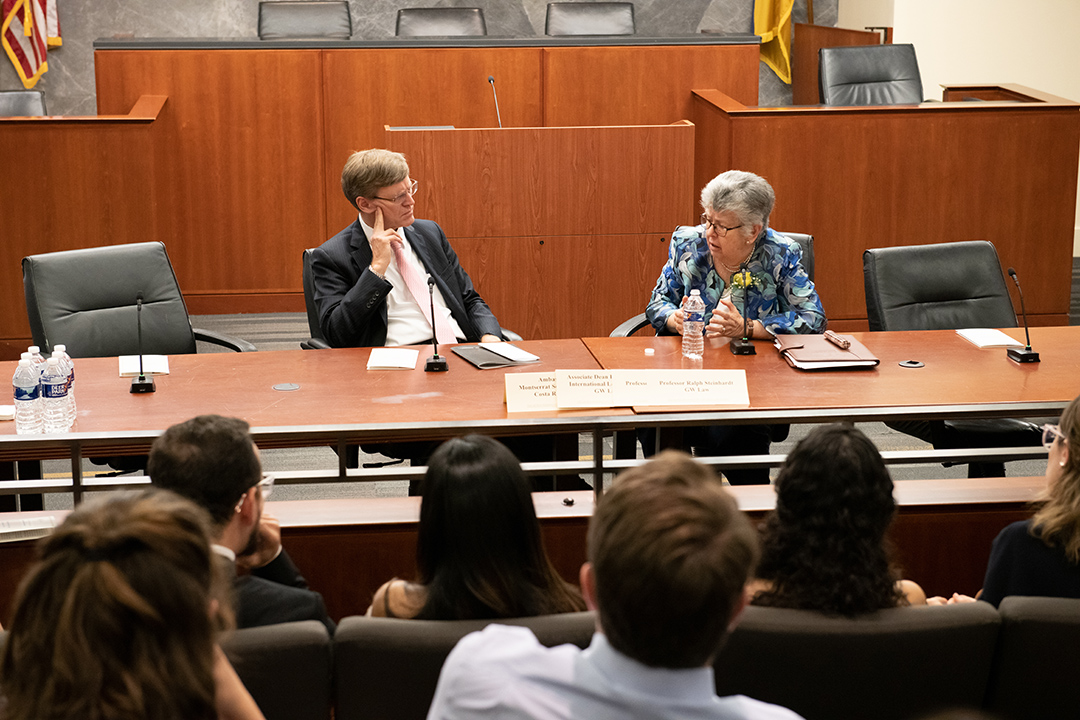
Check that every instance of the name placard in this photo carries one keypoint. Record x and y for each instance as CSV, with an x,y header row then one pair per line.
x,y
530,392
668,388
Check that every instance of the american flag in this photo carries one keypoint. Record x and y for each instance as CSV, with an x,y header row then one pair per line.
x,y
29,28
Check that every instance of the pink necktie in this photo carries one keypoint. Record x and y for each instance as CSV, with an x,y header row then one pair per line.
x,y
417,286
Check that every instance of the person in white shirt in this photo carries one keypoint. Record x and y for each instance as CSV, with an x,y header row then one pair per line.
x,y
669,557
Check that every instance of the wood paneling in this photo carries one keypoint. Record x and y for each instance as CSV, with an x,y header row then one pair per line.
x,y
562,231
74,182
857,178
806,42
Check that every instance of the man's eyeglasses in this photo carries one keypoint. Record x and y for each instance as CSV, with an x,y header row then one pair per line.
x,y
266,487
1050,433
719,229
401,198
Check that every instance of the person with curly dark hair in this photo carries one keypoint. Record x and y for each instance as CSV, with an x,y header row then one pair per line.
x,y
824,546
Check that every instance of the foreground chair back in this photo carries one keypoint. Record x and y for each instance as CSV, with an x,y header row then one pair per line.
x,y
440,22
286,668
869,75
389,668
22,103
590,18
886,666
87,299
288,19
316,341
1037,661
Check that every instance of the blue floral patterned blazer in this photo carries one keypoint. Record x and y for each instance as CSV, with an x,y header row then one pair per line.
x,y
780,294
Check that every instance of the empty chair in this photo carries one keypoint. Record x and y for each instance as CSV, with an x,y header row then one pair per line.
x,y
22,103
590,18
869,75
440,21
87,299
304,19
946,286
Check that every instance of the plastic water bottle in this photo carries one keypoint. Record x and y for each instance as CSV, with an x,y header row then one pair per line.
x,y
67,365
27,391
37,358
693,334
54,398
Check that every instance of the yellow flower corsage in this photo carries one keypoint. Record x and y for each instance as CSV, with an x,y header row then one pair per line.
x,y
742,279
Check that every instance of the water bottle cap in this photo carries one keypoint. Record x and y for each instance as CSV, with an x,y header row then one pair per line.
x,y
33,349
24,362
26,356
695,292
52,361
59,348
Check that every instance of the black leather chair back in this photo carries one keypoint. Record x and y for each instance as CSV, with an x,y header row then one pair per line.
x,y
86,299
388,668
286,668
943,286
22,103
590,18
309,302
869,75
304,19
869,667
440,22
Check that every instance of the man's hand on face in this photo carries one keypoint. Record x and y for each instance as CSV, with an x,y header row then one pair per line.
x,y
267,547
380,244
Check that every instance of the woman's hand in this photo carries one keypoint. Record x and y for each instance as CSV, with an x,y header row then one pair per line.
x,y
675,320
726,321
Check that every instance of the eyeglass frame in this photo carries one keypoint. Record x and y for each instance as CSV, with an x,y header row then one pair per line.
x,y
411,192
266,488
1055,432
717,227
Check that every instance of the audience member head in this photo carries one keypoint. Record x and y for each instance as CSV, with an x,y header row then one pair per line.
x,y
669,557
1058,520
367,171
211,460
748,196
117,618
824,547
479,552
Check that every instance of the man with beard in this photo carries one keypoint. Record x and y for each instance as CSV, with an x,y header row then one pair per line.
x,y
212,461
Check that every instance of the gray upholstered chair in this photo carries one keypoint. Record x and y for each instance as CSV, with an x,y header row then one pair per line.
x,y
440,22
286,668
1037,659
886,666
22,103
806,243
946,286
298,19
389,668
317,341
86,299
590,18
869,75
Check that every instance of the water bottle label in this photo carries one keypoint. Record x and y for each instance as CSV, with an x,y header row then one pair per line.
x,y
26,393
54,391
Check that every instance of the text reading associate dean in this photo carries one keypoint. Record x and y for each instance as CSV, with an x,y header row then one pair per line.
x,y
371,278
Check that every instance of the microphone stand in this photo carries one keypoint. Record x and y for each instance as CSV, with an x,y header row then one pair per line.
x,y
491,79
743,346
435,363
141,384
1024,354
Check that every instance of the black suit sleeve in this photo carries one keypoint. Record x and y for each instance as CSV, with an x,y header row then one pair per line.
x,y
351,300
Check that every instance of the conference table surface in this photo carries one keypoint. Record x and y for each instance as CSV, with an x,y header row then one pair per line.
x,y
339,400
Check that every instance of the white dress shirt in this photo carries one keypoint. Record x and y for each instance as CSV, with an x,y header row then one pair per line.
x,y
504,672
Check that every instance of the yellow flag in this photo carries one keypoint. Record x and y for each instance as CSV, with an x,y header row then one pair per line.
x,y
772,21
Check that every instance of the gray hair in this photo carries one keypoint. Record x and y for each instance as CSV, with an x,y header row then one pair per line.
x,y
747,195
368,170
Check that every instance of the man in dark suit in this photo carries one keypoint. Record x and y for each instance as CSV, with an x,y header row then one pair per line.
x,y
362,275
212,461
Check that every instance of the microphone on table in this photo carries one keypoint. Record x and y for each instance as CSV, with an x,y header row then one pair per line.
x,y
491,79
435,363
1024,354
743,346
141,384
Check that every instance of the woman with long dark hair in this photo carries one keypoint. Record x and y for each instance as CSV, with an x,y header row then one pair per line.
x,y
824,547
479,553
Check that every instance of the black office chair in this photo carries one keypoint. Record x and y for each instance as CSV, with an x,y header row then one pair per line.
x,y
291,20
440,22
590,18
86,299
806,243
946,286
22,103
869,75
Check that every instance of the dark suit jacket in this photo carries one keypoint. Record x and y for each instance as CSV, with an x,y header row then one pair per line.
x,y
276,593
351,299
